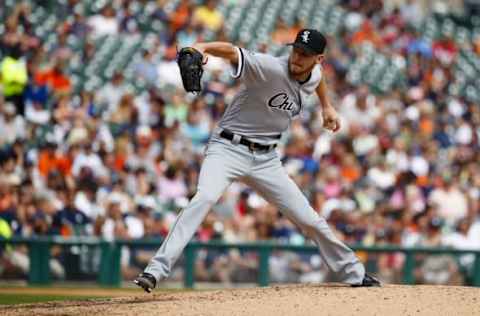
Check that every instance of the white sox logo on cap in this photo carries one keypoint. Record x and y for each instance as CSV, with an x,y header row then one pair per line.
x,y
311,41
305,35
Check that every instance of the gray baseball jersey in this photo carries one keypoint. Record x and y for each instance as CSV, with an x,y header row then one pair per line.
x,y
268,98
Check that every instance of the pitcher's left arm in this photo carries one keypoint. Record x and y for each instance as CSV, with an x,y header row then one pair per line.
x,y
331,120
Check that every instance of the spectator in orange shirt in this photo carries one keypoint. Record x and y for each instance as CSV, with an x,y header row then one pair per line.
x,y
181,16
49,160
55,79
366,33
350,170
6,196
283,34
476,45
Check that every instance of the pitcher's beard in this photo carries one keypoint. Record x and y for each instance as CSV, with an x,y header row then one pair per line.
x,y
299,74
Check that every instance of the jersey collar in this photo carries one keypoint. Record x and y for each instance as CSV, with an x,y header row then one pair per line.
x,y
306,80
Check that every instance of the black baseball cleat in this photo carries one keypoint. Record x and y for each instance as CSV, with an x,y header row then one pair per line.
x,y
368,281
146,281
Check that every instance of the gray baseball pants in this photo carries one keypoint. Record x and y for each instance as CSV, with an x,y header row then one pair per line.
x,y
226,162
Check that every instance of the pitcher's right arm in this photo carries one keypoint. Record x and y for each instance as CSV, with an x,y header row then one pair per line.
x,y
223,50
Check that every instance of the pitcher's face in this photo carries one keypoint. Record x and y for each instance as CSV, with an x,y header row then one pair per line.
x,y
300,62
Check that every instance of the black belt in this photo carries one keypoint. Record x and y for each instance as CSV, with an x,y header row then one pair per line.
x,y
251,145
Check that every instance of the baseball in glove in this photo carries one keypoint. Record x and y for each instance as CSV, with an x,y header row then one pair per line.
x,y
190,62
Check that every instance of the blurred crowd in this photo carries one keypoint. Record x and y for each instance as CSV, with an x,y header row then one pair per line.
x,y
112,163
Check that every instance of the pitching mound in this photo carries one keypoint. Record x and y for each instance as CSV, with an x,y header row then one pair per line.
x,y
279,300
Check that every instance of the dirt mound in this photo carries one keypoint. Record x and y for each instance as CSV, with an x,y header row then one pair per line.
x,y
278,300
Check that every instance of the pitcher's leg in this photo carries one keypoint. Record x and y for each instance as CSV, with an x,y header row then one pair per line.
x,y
217,172
279,189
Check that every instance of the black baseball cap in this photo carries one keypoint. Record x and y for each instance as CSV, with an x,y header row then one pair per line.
x,y
311,41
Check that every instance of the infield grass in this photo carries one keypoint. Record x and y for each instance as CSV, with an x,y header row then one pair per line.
x,y
12,299
10,295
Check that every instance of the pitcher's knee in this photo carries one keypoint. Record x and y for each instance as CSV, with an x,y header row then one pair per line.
x,y
312,226
205,198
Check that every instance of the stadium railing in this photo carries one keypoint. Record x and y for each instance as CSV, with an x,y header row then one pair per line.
x,y
109,273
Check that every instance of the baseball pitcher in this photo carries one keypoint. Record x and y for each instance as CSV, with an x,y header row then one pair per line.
x,y
242,147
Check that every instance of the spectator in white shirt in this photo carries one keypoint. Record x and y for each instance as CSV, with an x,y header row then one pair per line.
x,y
108,97
146,68
381,176
462,239
360,104
85,200
88,158
168,71
12,126
104,23
451,202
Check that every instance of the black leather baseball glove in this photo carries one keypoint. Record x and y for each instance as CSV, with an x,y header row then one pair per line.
x,y
190,62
